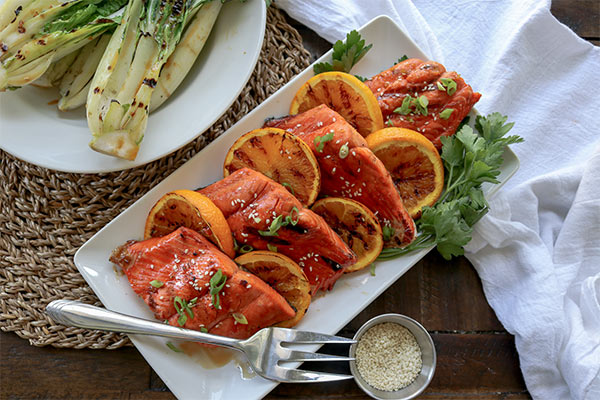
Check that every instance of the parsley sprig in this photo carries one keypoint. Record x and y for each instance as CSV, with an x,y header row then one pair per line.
x,y
345,54
469,161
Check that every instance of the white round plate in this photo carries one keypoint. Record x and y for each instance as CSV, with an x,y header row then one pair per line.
x,y
35,131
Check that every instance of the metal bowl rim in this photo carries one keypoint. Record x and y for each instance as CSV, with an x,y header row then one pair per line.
x,y
400,320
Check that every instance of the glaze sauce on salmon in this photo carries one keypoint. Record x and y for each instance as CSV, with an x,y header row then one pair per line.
x,y
415,78
350,169
251,202
181,265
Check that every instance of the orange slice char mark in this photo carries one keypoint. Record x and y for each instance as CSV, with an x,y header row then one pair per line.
x,y
343,93
350,169
449,99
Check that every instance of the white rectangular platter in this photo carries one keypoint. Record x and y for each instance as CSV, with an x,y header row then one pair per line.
x,y
328,313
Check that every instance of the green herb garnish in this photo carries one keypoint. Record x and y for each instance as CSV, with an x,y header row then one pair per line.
x,y
319,141
469,161
182,307
203,329
246,249
217,282
403,58
240,318
291,189
388,232
404,109
344,150
174,348
279,222
155,283
389,122
272,248
361,78
345,54
421,104
447,84
446,113
372,268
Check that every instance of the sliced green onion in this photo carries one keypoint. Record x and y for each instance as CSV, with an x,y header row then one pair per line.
x,y
388,232
372,269
272,247
203,330
319,141
156,283
344,150
287,185
246,249
450,85
446,113
217,282
240,318
172,347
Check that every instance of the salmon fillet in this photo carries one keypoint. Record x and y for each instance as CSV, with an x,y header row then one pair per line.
x,y
184,262
251,202
416,78
358,175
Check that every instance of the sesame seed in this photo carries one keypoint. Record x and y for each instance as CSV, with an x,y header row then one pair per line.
x,y
388,357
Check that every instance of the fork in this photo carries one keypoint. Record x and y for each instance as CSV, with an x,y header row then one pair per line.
x,y
264,350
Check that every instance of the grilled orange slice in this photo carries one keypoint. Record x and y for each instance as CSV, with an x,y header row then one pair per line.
x,y
283,275
343,93
192,210
414,163
280,156
356,225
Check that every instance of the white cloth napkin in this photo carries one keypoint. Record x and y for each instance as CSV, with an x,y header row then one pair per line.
x,y
538,250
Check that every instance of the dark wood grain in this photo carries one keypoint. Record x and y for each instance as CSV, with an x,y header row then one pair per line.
x,y
476,357
582,16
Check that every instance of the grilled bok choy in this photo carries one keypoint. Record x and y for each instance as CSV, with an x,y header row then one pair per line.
x,y
183,58
119,98
56,71
35,33
77,80
75,83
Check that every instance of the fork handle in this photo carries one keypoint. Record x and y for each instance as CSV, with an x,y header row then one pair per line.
x,y
75,313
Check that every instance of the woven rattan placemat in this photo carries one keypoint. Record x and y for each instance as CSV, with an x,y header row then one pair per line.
x,y
47,215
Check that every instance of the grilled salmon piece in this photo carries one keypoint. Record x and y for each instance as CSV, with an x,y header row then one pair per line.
x,y
417,78
350,169
251,203
181,264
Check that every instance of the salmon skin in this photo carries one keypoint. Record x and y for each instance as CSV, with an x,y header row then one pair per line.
x,y
251,203
350,169
181,265
417,78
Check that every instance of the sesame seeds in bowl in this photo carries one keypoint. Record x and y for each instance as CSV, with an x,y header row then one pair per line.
x,y
395,357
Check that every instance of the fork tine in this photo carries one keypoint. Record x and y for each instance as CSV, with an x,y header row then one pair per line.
x,y
300,376
295,355
312,337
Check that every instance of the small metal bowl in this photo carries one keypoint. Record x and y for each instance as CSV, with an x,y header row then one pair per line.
x,y
427,354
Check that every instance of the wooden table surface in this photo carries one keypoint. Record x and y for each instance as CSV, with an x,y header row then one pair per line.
x,y
476,356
